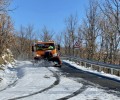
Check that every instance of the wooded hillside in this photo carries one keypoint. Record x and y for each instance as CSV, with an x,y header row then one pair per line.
x,y
98,35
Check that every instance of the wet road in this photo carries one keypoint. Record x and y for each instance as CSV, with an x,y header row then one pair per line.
x,y
90,79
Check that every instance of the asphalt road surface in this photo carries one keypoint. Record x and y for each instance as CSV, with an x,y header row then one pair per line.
x,y
90,79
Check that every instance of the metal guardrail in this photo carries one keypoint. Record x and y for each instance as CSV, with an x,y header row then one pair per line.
x,y
99,66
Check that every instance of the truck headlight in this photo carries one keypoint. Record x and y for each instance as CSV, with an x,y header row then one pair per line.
x,y
37,55
54,55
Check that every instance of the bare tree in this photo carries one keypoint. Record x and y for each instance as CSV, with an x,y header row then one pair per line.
x,y
23,42
58,38
66,43
30,39
80,41
90,29
46,35
20,45
4,4
6,26
6,32
111,10
71,26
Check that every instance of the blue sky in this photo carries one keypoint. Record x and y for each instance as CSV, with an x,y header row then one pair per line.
x,y
49,13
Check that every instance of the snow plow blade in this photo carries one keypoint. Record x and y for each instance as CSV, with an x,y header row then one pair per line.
x,y
57,65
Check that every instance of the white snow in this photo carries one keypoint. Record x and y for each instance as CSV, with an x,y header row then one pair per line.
x,y
95,94
31,79
8,77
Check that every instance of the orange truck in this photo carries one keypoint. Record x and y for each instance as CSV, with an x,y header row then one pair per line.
x,y
47,51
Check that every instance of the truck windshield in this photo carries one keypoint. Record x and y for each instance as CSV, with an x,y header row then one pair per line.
x,y
47,46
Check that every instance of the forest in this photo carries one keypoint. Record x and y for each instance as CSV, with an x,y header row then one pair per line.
x,y
98,35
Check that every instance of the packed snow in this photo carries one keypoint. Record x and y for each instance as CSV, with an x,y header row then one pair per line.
x,y
26,80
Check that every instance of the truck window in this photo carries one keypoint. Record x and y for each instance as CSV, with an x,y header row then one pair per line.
x,y
39,47
47,46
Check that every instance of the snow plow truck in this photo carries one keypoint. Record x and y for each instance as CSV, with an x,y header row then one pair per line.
x,y
47,51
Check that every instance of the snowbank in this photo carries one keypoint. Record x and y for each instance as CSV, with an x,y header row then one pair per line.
x,y
117,78
7,75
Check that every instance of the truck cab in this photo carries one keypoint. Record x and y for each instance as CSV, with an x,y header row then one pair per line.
x,y
46,50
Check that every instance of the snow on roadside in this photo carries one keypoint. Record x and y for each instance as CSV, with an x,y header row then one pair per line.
x,y
7,76
92,71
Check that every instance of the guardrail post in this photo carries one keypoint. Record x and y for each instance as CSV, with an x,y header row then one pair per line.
x,y
85,64
119,72
111,71
100,69
80,63
91,66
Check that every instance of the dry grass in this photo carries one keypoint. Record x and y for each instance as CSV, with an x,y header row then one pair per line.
x,y
1,61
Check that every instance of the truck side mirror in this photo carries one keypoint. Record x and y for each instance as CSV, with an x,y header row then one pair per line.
x,y
32,48
58,46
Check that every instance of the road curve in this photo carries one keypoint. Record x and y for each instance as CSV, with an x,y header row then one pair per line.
x,y
83,88
57,81
109,85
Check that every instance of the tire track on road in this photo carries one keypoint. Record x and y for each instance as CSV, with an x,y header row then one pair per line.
x,y
75,93
82,89
45,89
70,73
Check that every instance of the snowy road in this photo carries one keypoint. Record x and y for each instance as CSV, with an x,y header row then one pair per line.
x,y
49,83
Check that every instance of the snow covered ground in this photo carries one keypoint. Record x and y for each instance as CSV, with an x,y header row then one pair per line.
x,y
44,83
8,76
